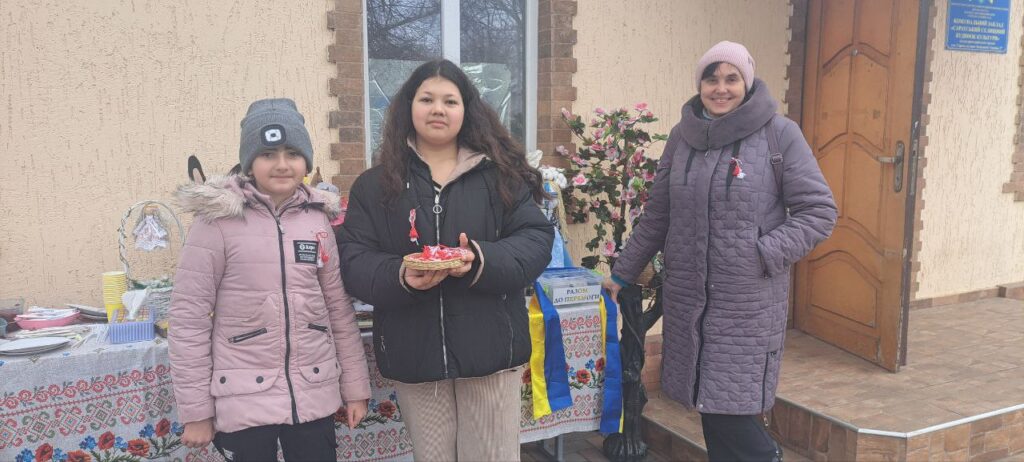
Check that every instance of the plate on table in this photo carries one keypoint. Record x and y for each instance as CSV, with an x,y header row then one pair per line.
x,y
93,318
89,311
31,346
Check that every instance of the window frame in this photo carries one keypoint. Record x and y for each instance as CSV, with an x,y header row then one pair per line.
x,y
451,50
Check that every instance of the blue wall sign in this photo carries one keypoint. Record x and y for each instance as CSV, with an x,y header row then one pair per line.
x,y
978,25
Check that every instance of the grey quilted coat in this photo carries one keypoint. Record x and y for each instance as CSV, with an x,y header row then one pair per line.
x,y
728,246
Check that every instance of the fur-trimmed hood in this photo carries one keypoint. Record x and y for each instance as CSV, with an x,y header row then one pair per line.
x,y
228,196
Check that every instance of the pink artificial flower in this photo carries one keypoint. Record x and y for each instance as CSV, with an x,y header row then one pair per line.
x,y
640,106
596,147
599,110
579,180
616,215
613,153
566,113
648,175
633,213
562,151
638,157
648,114
579,161
609,249
630,194
598,133
595,204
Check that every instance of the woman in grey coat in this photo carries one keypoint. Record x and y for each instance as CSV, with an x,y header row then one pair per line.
x,y
718,210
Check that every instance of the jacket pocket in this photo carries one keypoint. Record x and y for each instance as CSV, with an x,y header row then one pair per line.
x,y
248,335
321,372
511,335
317,327
230,382
760,257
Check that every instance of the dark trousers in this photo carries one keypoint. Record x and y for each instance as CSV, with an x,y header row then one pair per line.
x,y
740,438
311,441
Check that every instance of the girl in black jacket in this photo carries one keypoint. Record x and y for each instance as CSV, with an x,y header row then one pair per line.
x,y
448,173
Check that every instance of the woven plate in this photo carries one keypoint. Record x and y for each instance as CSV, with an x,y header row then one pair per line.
x,y
430,265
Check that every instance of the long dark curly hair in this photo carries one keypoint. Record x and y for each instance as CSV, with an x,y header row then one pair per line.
x,y
481,131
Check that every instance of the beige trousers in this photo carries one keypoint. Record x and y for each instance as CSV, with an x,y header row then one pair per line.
x,y
470,420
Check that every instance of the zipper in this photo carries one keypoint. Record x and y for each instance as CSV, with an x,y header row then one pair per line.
x,y
440,292
317,327
287,320
247,336
511,337
707,288
384,351
764,379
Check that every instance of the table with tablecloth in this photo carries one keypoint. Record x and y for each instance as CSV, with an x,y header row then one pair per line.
x,y
99,402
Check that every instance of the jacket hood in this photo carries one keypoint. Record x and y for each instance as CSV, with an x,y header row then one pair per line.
x,y
702,134
465,161
228,196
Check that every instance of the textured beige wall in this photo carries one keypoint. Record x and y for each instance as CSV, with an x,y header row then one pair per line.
x,y
628,52
102,101
973,236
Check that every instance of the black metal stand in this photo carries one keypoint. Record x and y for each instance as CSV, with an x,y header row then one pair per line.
x,y
629,446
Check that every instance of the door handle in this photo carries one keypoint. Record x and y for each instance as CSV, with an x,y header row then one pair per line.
x,y
897,161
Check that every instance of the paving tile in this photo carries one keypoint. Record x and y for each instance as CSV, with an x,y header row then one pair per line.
x,y
920,455
986,425
837,442
997,439
957,438
880,448
799,431
977,444
959,366
958,456
819,434
990,456
937,444
1016,444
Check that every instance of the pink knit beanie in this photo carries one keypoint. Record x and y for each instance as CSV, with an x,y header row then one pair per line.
x,y
732,53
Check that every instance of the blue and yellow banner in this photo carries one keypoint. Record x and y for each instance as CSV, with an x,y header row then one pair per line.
x,y
548,369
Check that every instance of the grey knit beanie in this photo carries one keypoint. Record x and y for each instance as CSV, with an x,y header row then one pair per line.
x,y
270,123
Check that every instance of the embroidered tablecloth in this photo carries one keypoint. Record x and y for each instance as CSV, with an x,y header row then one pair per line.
x,y
99,402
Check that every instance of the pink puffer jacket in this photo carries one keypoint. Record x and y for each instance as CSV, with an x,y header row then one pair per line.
x,y
260,334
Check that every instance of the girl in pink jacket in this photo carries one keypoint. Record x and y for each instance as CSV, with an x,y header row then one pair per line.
x,y
263,340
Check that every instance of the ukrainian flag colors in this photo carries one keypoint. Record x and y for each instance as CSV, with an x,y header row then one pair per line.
x,y
548,367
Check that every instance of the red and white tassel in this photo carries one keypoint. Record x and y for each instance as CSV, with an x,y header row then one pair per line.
x,y
414,236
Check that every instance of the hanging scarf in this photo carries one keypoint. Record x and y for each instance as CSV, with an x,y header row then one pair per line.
x,y
547,360
611,406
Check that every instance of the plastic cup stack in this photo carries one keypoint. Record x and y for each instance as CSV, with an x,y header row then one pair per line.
x,y
115,284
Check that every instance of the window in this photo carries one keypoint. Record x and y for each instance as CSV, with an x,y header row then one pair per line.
x,y
493,41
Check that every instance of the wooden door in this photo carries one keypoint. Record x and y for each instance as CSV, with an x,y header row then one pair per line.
x,y
858,100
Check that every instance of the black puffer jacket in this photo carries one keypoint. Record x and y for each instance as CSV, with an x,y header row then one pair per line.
x,y
465,327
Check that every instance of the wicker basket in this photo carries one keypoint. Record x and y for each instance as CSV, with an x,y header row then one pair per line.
x,y
158,302
412,262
